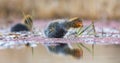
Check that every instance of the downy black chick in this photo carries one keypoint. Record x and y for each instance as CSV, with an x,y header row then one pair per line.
x,y
25,26
58,29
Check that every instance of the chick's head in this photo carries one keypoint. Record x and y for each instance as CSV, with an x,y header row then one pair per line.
x,y
76,22
28,21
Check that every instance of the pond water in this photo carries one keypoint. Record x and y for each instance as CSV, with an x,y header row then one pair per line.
x,y
102,54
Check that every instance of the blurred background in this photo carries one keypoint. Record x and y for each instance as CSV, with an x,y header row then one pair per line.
x,y
44,9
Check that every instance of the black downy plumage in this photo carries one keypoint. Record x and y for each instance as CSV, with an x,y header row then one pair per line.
x,y
25,26
58,29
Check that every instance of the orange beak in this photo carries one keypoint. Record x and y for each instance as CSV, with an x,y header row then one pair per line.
x,y
77,22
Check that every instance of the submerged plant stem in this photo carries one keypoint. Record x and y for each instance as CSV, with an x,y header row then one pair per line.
x,y
93,45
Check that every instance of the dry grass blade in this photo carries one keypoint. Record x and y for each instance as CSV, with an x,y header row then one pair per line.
x,y
90,32
80,32
94,28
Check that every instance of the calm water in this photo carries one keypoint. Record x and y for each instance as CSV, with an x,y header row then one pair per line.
x,y
102,54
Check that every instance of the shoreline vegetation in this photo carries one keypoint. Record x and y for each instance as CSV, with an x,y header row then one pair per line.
x,y
44,9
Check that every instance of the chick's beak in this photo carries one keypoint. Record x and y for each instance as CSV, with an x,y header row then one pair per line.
x,y
76,22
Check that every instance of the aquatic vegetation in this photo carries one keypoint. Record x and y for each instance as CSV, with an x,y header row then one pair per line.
x,y
87,30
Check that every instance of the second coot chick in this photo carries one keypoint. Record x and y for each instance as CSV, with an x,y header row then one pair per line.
x,y
25,26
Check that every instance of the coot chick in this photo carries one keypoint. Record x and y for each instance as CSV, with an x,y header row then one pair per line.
x,y
25,26
58,29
